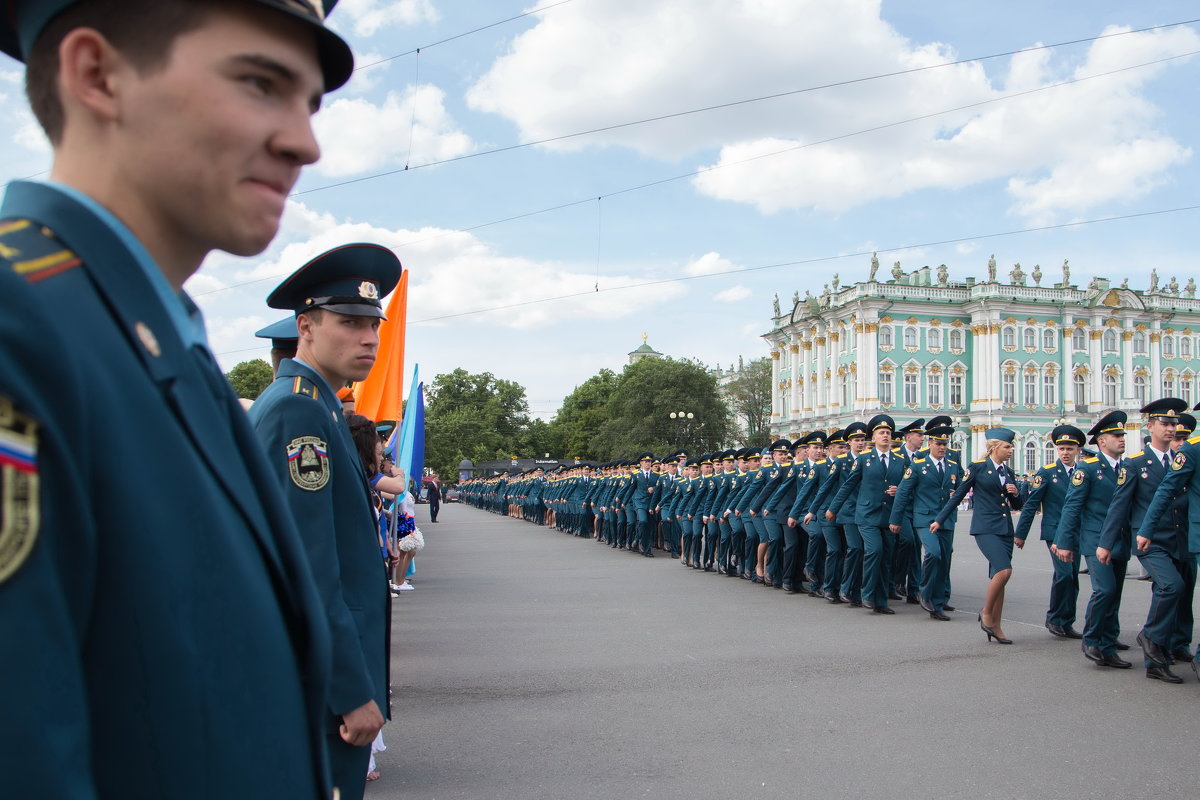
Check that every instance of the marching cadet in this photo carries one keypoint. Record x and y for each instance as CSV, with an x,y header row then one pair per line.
x,y
670,497
741,508
876,476
788,556
844,515
804,511
1182,480
706,537
726,481
299,420
153,599
1048,492
1159,512
1092,485
813,568
769,532
687,507
642,500
991,521
906,560
929,482
735,560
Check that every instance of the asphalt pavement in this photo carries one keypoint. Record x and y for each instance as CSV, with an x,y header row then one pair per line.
x,y
531,664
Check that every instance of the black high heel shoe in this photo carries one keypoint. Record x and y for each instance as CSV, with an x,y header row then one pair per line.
x,y
991,633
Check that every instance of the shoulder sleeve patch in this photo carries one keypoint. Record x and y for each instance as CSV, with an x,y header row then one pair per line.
x,y
308,463
1036,483
1179,461
1077,478
20,500
33,250
1122,474
908,473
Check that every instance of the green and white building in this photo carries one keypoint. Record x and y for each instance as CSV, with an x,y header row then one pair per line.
x,y
987,353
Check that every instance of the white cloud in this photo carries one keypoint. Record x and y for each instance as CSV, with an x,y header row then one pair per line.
x,y
368,16
1043,144
733,294
356,135
709,264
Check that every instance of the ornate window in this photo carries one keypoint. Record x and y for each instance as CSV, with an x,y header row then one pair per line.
x,y
1049,389
910,388
1049,453
1169,383
1030,338
1109,400
933,339
1031,457
956,389
1110,341
910,337
1008,337
885,336
1185,346
1139,343
1008,391
1079,383
1139,390
1185,387
1030,388
1168,346
886,383
933,389
956,339
1079,340
1049,340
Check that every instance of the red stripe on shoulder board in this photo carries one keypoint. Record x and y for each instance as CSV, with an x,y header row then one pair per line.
x,y
34,277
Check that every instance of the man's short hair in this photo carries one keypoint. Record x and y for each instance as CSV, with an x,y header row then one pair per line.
x,y
143,31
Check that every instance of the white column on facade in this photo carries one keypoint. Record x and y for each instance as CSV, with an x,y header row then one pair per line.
x,y
821,347
797,373
1066,387
776,399
810,388
1127,363
867,385
1096,378
835,349
1155,345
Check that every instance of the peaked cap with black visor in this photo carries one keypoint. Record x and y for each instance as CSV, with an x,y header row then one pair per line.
x,y
349,280
22,21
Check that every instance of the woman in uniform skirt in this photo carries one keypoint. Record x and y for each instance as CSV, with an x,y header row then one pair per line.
x,y
991,523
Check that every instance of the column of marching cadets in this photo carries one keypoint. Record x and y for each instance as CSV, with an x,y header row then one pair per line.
x,y
866,515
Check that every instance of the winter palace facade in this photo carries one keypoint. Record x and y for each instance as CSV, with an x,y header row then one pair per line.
x,y
988,353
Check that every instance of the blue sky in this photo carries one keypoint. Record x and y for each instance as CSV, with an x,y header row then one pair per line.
x,y
1107,145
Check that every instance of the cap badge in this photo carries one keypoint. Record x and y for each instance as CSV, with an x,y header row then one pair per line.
x,y
368,290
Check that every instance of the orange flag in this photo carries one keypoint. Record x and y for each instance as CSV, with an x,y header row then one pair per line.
x,y
381,395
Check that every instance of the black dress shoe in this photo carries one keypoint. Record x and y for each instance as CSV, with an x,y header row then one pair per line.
x,y
1152,650
855,604
925,604
1071,633
866,605
1056,630
1114,660
895,596
913,601
938,616
948,607
1143,577
1164,674
1084,571
1093,654
1181,655
648,555
835,599
787,589
883,610
845,597
1122,646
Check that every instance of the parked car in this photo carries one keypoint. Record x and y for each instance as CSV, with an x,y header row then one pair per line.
x,y
451,495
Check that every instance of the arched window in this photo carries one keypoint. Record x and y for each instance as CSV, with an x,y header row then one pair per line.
x,y
1185,388
1008,388
1185,346
886,390
1008,336
910,336
1139,390
910,388
1110,391
1110,341
1030,337
1029,388
885,335
956,339
1169,383
933,338
956,390
1049,453
1031,457
1049,389
1139,343
1079,383
844,387
1079,340
1049,341
1168,346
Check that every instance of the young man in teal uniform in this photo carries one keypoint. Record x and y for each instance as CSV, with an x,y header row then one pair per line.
x,y
644,482
843,515
298,418
1048,492
906,560
162,605
1092,484
1162,540
929,481
879,472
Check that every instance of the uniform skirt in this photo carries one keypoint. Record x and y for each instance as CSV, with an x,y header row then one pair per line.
x,y
997,549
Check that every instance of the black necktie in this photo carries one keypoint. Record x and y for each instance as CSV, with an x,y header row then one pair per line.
x,y
1166,462
1000,472
941,470
884,460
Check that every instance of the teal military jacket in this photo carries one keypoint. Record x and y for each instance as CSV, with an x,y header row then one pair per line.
x,y
871,479
1048,492
1182,480
162,636
299,421
1137,488
924,491
1092,486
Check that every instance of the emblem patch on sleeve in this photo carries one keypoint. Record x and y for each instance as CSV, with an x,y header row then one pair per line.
x,y
1077,478
308,463
1036,483
908,473
1179,461
1121,475
19,500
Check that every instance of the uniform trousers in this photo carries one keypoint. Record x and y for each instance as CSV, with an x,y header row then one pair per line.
x,y
906,563
852,564
1064,590
935,566
835,550
791,560
750,551
645,527
878,543
1101,624
774,562
1169,621
814,552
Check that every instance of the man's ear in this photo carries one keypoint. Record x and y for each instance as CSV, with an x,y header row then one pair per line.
x,y
89,73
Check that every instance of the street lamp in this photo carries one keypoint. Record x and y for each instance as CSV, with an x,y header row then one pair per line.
x,y
684,418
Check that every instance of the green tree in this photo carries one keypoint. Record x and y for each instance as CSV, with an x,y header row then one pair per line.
x,y
640,406
583,413
749,394
476,416
249,378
